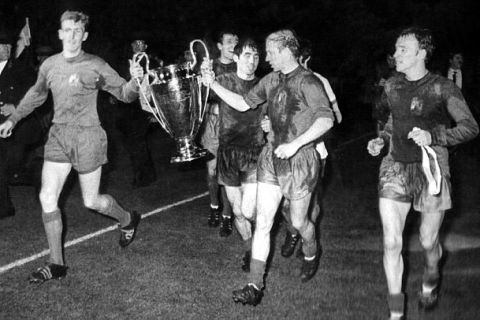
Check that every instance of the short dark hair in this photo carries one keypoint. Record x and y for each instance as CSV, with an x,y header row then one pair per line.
x,y
453,53
76,16
424,38
224,32
245,43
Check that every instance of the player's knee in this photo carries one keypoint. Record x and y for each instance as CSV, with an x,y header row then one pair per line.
x,y
48,199
299,223
91,203
428,241
248,212
237,211
392,243
263,224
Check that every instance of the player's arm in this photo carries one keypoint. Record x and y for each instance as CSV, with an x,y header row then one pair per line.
x,y
465,129
316,98
35,97
233,99
125,91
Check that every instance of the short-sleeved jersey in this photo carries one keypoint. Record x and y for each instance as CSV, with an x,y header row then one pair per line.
x,y
74,83
294,102
430,103
241,129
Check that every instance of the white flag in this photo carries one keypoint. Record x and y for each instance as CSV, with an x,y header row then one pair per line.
x,y
23,39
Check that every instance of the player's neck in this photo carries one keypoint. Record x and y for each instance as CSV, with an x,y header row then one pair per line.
x,y
225,60
71,54
245,76
289,67
415,74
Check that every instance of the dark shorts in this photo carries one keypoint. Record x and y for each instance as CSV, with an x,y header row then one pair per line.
x,y
84,147
210,134
297,176
237,165
406,182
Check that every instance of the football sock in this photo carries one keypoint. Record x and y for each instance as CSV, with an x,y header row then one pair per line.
x,y
52,222
114,210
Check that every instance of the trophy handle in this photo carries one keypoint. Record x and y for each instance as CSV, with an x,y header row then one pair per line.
x,y
207,55
137,58
203,104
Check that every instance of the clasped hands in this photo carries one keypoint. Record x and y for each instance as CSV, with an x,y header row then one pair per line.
x,y
420,137
206,69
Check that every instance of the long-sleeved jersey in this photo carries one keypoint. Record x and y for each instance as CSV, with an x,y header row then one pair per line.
x,y
74,83
430,103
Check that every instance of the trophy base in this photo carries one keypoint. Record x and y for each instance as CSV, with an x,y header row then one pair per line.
x,y
187,151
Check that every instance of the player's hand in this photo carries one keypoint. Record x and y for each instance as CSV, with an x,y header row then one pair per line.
x,y
136,70
420,137
286,150
7,109
375,146
206,64
266,124
6,129
208,76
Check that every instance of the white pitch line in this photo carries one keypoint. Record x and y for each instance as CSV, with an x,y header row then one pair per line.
x,y
70,243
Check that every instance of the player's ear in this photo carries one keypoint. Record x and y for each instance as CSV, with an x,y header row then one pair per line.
x,y
235,58
422,53
85,36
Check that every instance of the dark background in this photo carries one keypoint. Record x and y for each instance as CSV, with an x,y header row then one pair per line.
x,y
351,38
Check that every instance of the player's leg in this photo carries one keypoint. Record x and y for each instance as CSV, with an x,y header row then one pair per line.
x,y
393,215
432,210
107,205
291,234
300,220
268,200
249,208
429,239
54,175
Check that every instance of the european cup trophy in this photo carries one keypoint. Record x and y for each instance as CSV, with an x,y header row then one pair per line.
x,y
179,102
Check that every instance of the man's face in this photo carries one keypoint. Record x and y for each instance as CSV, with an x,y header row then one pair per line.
x,y
456,61
229,41
5,50
139,46
408,54
247,62
275,56
72,35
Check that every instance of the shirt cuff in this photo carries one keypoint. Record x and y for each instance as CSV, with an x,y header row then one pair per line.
x,y
439,135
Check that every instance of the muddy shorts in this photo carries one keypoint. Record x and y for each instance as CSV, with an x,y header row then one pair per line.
x,y
210,134
84,147
297,176
406,182
237,165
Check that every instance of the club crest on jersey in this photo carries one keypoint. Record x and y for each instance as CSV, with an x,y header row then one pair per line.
x,y
74,80
416,106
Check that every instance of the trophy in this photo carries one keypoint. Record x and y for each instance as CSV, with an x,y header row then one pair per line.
x,y
179,102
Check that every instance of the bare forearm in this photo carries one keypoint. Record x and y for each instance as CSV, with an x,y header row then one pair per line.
x,y
234,100
316,130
